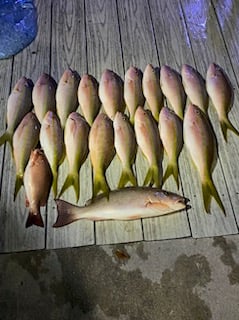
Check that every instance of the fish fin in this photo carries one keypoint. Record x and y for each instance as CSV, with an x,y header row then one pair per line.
x,y
227,125
5,137
100,184
64,213
153,177
209,190
172,169
34,219
18,184
54,182
71,180
127,175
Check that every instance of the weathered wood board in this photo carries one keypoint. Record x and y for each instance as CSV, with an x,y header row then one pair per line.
x,y
90,36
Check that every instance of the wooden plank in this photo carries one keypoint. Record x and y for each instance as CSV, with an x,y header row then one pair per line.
x,y
68,35
5,80
104,51
139,49
30,62
208,46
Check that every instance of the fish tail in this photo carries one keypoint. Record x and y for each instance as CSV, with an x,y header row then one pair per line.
x,y
71,180
172,169
5,137
127,176
227,125
54,182
209,190
153,177
100,184
65,213
18,184
34,218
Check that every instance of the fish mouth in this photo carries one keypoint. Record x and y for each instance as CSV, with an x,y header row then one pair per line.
x,y
183,201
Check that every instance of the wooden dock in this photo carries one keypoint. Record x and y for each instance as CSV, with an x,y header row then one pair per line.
x,y
89,36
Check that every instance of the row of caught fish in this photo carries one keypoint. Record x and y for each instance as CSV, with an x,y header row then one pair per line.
x,y
25,126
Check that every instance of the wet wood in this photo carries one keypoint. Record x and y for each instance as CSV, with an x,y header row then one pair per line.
x,y
31,62
90,36
104,52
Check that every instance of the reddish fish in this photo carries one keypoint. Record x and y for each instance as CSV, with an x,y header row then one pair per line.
x,y
37,183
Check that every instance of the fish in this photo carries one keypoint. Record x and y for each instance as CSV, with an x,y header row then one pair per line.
x,y
221,93
152,90
102,151
171,133
201,143
76,144
19,103
52,142
126,148
195,87
44,96
37,184
148,140
133,91
88,97
111,93
123,204
173,90
66,95
25,139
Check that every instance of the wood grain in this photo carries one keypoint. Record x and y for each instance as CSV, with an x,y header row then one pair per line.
x,y
68,50
208,46
30,62
104,52
139,48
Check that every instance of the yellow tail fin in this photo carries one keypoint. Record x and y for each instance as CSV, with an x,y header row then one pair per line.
x,y
71,180
54,182
172,169
227,125
209,191
100,184
5,137
153,177
18,184
127,175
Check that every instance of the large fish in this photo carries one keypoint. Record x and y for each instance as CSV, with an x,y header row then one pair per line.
x,y
148,139
19,103
172,88
221,93
25,139
44,95
66,95
126,148
200,141
124,204
152,90
195,87
111,93
171,133
76,144
102,151
133,91
52,142
88,97
37,183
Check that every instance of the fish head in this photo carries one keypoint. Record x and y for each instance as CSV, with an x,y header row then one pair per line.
x,y
187,71
88,80
23,83
166,201
193,114
120,120
133,73
50,119
46,80
35,156
107,76
150,73
70,76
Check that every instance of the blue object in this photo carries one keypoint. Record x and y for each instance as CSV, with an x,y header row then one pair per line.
x,y
18,26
